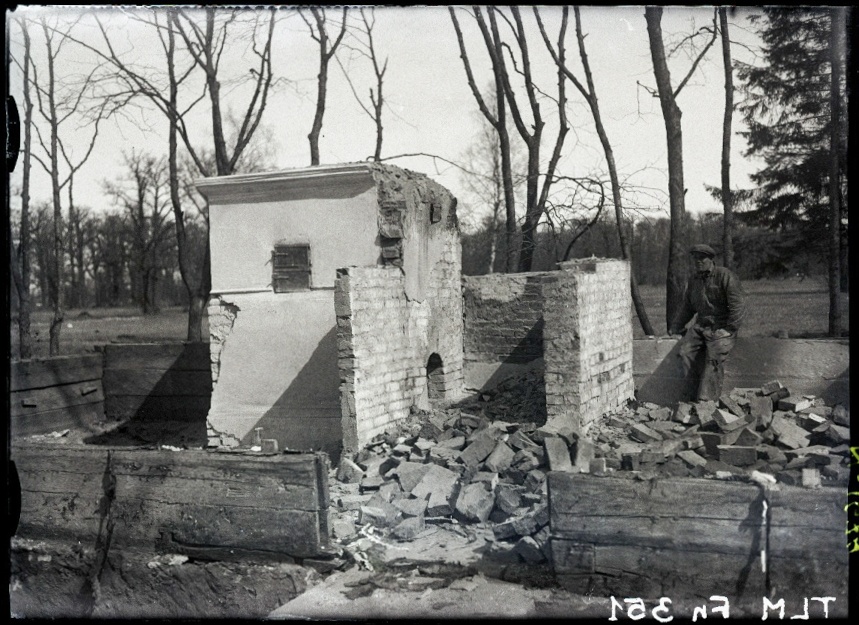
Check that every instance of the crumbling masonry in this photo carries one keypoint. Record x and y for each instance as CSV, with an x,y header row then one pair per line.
x,y
337,305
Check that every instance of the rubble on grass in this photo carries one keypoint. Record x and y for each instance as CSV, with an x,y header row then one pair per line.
x,y
476,466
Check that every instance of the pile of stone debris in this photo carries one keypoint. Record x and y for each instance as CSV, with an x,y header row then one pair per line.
x,y
450,468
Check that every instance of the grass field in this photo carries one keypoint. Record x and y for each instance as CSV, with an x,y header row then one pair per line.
x,y
799,308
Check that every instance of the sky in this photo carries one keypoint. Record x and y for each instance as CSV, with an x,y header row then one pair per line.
x,y
430,108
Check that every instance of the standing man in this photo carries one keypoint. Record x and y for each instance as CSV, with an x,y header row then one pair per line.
x,y
716,296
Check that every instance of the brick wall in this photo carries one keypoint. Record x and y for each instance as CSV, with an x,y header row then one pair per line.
x,y
587,341
503,317
384,342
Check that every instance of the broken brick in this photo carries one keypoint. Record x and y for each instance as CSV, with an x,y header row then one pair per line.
x,y
557,454
727,421
518,440
474,503
534,480
837,434
480,448
411,507
840,415
349,472
583,453
644,434
761,408
793,403
660,414
507,498
809,421
382,516
487,477
788,434
529,550
409,528
598,467
683,414
371,483
811,478
704,412
525,460
771,387
410,473
749,438
436,481
500,458
731,406
692,459
736,455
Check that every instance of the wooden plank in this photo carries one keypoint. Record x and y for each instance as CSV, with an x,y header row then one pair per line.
x,y
577,493
125,407
61,492
83,416
817,507
174,356
145,524
191,498
686,534
42,373
157,383
37,400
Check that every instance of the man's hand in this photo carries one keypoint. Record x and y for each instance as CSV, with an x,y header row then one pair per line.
x,y
721,333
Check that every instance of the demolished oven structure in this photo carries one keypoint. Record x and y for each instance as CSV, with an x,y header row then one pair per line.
x,y
335,303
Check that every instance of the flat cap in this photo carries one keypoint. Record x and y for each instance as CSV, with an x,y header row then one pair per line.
x,y
701,248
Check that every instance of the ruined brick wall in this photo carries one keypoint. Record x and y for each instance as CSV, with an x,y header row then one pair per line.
x,y
384,341
503,317
587,341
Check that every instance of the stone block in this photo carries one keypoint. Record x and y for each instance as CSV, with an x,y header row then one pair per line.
x,y
761,408
771,387
811,478
269,445
382,516
529,550
727,421
437,480
630,461
478,450
474,503
660,414
371,483
736,455
507,498
644,434
704,412
841,416
598,467
749,438
789,434
683,414
500,458
409,528
583,452
809,421
410,473
692,459
343,528
411,507
349,472
711,441
525,460
534,480
773,455
793,403
837,434
519,440
486,477
557,454
781,393
728,403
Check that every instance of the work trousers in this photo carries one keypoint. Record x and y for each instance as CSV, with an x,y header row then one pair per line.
x,y
703,357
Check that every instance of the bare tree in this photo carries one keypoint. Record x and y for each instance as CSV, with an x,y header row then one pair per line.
x,y
671,115
498,119
144,196
327,49
205,45
21,261
590,96
365,46
59,100
727,199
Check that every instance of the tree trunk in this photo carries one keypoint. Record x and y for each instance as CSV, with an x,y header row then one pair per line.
x,y
727,199
24,301
835,51
674,137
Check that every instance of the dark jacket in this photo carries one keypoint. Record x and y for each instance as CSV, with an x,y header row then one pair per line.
x,y
718,299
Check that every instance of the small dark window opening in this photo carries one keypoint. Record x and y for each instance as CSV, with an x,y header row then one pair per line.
x,y
290,268
435,213
435,378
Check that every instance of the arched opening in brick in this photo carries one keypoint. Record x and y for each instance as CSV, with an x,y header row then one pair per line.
x,y
435,378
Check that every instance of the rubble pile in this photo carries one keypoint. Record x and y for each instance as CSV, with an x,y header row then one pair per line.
x,y
451,468
798,440
454,469
519,399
